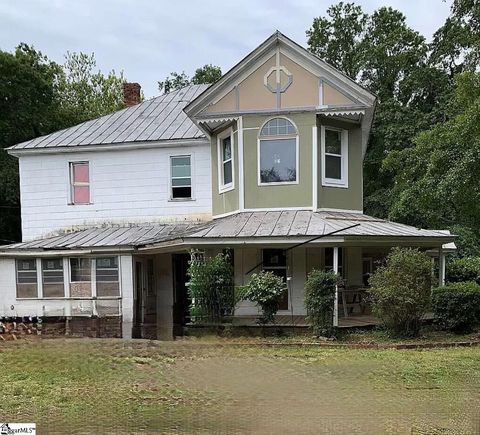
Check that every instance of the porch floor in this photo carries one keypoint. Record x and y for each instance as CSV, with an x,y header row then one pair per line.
x,y
285,320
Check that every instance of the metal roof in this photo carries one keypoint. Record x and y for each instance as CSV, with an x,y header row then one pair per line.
x,y
108,237
271,224
161,118
308,223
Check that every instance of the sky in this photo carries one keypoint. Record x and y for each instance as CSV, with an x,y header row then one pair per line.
x,y
148,39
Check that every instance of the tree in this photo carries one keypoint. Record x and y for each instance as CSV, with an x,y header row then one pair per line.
x,y
28,106
37,97
204,75
207,74
338,39
436,182
85,93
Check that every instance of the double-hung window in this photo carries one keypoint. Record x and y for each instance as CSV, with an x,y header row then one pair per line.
x,y
79,183
80,277
27,278
52,278
225,159
334,143
107,277
278,152
181,177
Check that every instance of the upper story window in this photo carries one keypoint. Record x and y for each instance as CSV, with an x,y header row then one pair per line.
x,y
27,278
334,143
181,177
79,183
278,152
225,160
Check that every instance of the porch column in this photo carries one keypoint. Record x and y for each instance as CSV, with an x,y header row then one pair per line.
x,y
441,267
335,270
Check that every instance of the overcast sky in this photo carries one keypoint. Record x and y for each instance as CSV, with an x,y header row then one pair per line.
x,y
148,39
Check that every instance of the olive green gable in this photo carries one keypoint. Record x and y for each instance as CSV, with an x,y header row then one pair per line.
x,y
225,202
278,196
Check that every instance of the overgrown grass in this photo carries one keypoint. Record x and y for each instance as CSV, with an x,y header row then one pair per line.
x,y
99,386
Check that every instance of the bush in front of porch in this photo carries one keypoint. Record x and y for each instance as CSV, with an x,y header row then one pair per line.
x,y
320,301
211,288
265,289
401,291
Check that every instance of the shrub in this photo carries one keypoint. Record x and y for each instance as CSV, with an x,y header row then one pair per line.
x,y
320,300
265,289
457,306
464,269
211,288
401,290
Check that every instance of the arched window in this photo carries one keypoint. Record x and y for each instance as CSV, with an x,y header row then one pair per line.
x,y
278,152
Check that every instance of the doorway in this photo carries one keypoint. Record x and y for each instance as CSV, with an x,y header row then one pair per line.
x,y
181,299
145,312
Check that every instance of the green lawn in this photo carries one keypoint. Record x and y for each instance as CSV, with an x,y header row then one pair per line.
x,y
104,386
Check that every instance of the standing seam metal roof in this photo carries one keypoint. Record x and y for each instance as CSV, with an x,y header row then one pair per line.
x,y
273,224
161,118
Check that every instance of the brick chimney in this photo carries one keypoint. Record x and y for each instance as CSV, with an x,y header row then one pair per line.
x,y
131,94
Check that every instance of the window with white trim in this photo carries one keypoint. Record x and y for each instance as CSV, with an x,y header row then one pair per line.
x,y
278,153
27,278
225,153
80,277
334,144
52,278
107,277
79,183
181,177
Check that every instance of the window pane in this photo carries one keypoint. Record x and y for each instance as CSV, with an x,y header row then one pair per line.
x,y
107,276
80,172
227,172
80,269
181,192
274,258
227,148
27,278
181,161
333,142
181,182
81,194
333,167
180,171
52,275
277,127
278,160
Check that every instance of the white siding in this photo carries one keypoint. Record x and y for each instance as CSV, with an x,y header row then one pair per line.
x,y
126,186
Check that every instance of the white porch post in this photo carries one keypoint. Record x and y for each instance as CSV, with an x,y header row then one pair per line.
x,y
335,270
441,267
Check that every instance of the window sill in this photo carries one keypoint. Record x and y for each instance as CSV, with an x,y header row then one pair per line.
x,y
327,183
86,298
279,183
86,203
226,188
181,199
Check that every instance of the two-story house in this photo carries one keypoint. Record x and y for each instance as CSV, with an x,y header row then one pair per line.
x,y
266,163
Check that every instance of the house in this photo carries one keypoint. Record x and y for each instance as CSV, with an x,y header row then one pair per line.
x,y
266,163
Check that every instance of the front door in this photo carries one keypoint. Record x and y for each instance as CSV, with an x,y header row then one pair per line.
x,y
181,300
